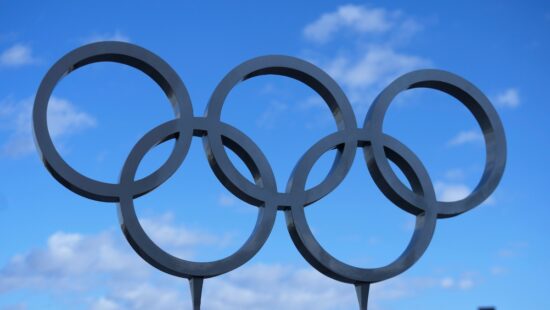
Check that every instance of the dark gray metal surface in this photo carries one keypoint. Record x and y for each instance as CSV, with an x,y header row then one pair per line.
x,y
378,148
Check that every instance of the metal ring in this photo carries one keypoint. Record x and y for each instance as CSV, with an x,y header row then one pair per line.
x,y
159,258
484,113
135,57
299,70
378,148
319,258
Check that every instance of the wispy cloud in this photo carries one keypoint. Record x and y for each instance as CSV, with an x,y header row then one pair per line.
x,y
372,57
73,265
71,256
173,237
463,282
508,98
377,65
64,120
350,17
106,36
513,250
451,191
464,137
16,56
366,58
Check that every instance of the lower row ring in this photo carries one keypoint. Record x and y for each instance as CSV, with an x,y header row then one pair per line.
x,y
297,224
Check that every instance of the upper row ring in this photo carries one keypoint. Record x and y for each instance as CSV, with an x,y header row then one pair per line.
x,y
214,130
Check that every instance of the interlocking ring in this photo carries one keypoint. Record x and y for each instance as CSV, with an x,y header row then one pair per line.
x,y
378,148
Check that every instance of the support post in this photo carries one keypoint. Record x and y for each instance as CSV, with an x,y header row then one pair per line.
x,y
362,290
195,284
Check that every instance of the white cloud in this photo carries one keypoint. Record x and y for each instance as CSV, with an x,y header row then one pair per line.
x,y
356,18
464,137
68,262
465,282
144,296
368,62
163,231
64,119
509,98
17,55
107,36
278,287
451,192
104,304
75,261
457,191
76,264
73,266
378,65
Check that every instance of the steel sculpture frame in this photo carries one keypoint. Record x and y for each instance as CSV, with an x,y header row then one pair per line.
x,y
378,148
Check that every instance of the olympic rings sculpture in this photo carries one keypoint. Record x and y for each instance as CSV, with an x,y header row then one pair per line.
x,y
378,148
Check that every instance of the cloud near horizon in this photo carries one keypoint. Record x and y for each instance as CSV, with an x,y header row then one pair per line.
x,y
101,272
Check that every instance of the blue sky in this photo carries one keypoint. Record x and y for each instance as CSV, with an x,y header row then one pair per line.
x,y
61,251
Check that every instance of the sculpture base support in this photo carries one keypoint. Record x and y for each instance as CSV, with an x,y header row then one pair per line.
x,y
362,290
196,292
